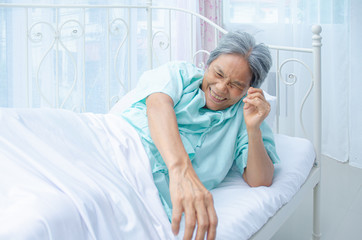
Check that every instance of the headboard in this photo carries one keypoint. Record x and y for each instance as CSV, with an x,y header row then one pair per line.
x,y
96,54
122,41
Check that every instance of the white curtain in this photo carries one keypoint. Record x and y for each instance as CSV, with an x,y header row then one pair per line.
x,y
212,10
288,22
355,85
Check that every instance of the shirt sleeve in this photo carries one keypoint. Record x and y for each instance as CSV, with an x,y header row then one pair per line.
x,y
170,78
166,79
242,144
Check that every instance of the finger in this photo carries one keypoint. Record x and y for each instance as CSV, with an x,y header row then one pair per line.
x,y
247,106
176,218
261,106
211,232
202,224
253,90
256,94
190,221
202,218
252,101
256,100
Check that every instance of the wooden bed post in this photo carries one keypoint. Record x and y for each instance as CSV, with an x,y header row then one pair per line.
x,y
316,44
149,33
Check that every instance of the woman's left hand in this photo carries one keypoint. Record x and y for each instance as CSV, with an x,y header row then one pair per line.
x,y
256,108
259,169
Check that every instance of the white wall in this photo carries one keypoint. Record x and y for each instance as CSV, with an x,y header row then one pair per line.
x,y
341,206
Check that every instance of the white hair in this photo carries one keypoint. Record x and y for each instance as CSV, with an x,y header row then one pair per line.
x,y
257,55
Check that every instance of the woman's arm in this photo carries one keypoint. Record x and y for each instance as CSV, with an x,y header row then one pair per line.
x,y
188,194
259,169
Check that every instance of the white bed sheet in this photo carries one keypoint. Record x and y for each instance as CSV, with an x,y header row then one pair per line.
x,y
75,176
242,210
66,175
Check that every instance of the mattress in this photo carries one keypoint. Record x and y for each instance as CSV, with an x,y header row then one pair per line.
x,y
66,175
242,210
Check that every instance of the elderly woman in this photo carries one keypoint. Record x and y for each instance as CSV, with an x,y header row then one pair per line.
x,y
195,125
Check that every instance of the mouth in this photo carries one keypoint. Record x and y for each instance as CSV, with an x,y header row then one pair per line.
x,y
216,98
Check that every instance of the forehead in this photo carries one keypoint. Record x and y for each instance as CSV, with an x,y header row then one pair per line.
x,y
234,66
230,61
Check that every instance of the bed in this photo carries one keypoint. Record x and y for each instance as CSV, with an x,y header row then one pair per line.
x,y
68,174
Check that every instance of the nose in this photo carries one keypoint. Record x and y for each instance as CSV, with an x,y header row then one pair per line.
x,y
222,86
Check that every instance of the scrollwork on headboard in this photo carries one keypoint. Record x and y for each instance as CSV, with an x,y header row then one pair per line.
x,y
36,36
294,78
160,42
200,64
115,29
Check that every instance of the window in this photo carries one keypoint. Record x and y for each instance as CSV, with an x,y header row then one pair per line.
x,y
284,11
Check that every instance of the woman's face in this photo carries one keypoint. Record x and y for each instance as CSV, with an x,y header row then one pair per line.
x,y
226,81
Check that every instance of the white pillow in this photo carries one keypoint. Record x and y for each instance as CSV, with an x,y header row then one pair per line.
x,y
270,119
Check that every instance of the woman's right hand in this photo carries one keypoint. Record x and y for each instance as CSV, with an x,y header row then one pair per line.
x,y
189,196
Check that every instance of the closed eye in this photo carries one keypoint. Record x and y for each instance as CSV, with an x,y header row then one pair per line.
x,y
237,85
219,74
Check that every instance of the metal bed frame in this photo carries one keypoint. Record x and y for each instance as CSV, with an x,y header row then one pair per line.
x,y
314,178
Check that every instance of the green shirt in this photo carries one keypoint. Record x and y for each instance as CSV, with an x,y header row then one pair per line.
x,y
214,140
